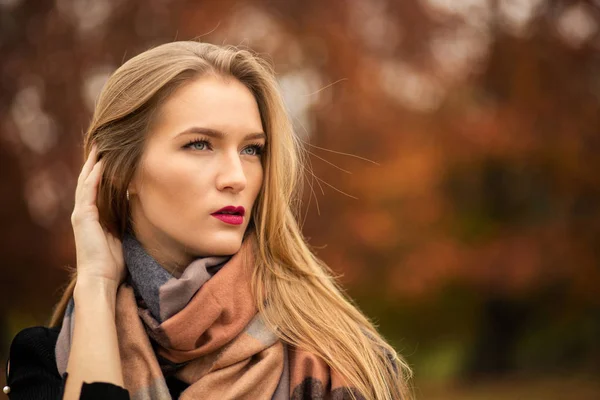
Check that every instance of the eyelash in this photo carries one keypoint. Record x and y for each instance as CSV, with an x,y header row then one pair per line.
x,y
257,146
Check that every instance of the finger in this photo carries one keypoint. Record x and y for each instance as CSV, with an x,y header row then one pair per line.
x,y
89,164
85,170
89,189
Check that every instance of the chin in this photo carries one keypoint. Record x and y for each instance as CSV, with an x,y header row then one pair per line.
x,y
222,244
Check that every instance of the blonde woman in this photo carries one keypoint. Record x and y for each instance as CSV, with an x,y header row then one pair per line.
x,y
193,278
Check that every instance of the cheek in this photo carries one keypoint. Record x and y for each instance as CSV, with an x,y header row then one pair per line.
x,y
172,184
257,181
162,178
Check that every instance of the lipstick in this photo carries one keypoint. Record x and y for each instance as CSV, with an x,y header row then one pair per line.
x,y
230,215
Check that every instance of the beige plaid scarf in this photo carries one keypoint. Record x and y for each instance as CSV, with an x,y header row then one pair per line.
x,y
204,329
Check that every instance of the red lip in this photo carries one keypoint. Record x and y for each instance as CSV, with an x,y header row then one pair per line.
x,y
232,209
233,219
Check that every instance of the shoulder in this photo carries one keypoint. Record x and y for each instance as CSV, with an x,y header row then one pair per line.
x,y
37,343
42,333
32,371
31,357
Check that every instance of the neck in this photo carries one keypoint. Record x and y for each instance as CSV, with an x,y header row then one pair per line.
x,y
171,255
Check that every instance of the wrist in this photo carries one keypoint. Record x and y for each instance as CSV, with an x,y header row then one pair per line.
x,y
93,287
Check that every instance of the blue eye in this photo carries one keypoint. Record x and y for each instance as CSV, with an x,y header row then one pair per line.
x,y
192,144
203,144
258,148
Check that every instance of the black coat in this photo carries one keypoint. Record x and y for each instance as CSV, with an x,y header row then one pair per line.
x,y
33,375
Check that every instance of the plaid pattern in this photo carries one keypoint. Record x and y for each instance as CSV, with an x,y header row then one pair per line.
x,y
204,329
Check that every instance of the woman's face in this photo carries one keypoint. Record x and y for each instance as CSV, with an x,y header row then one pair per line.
x,y
203,153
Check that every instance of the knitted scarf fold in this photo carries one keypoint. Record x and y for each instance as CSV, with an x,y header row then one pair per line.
x,y
204,329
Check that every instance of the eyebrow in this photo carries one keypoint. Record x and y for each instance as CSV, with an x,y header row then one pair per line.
x,y
219,134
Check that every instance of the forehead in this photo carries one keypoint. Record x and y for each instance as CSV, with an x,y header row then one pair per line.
x,y
219,103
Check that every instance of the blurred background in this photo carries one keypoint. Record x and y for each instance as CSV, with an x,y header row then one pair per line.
x,y
453,179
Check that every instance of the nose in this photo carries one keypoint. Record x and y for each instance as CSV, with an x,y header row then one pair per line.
x,y
231,175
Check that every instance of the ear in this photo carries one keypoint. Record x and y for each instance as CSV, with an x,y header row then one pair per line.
x,y
132,187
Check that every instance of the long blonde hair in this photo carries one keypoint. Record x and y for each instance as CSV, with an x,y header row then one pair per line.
x,y
303,304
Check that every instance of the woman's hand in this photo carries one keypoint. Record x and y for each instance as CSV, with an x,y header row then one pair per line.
x,y
94,355
99,253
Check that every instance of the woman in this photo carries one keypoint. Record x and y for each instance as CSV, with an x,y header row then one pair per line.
x,y
193,278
